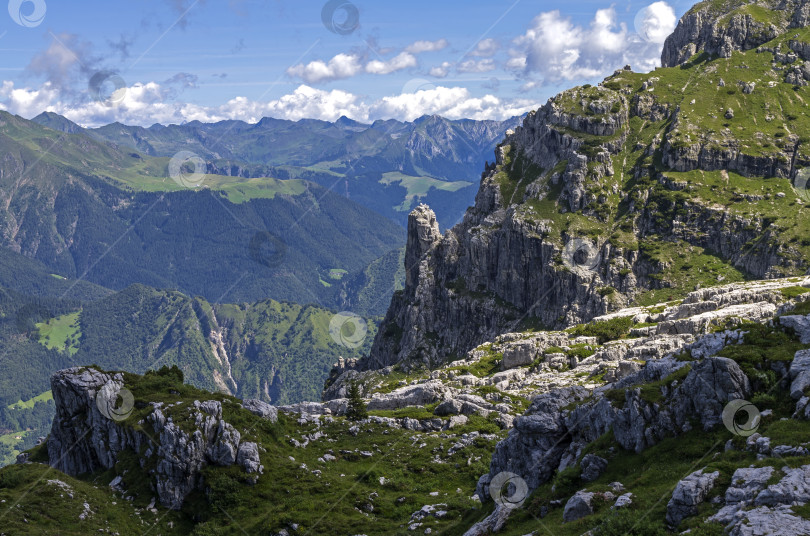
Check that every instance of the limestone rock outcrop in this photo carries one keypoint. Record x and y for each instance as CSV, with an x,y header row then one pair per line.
x,y
552,431
86,437
716,29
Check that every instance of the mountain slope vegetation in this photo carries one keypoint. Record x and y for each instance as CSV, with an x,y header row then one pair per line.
x,y
70,208
386,166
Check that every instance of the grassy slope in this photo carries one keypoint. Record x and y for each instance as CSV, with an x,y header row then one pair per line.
x,y
42,397
61,333
418,187
126,168
286,346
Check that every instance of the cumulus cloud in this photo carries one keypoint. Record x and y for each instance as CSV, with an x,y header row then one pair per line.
x,y
146,104
454,103
426,46
485,48
348,65
340,66
555,49
441,71
403,60
27,102
656,22
472,66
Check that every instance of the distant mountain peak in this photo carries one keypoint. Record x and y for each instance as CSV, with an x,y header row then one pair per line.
x,y
57,122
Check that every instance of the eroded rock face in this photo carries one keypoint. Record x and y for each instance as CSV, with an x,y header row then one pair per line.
x,y
499,266
551,433
492,269
83,439
703,30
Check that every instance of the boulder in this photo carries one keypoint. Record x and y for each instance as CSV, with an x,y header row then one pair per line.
x,y
455,421
578,506
688,494
411,395
248,457
449,407
592,467
261,408
800,374
519,354
623,501
800,324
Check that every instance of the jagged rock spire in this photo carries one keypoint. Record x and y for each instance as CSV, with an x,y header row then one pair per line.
x,y
423,234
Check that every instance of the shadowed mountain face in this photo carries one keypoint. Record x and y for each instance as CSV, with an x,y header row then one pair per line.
x,y
73,204
387,166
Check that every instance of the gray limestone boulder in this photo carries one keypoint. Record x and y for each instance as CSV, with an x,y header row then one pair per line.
x,y
411,395
519,354
262,409
800,374
248,457
688,494
800,324
578,506
592,467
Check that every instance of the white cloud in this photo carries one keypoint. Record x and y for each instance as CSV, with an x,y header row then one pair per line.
x,y
472,66
426,46
348,65
555,49
485,48
441,71
403,60
453,103
340,66
26,102
656,22
146,104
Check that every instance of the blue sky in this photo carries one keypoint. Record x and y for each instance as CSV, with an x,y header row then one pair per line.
x,y
179,60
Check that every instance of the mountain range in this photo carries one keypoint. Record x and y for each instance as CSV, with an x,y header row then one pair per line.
x,y
388,166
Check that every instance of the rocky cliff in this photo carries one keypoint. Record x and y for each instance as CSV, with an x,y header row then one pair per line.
x,y
592,202
91,430
720,28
